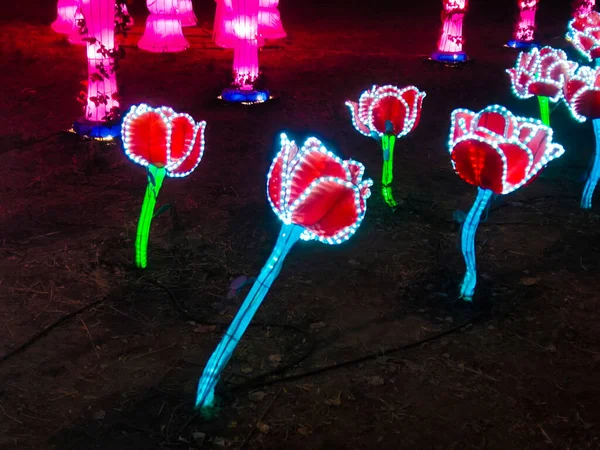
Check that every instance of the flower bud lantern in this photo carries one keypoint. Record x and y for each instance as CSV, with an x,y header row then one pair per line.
x,y
317,196
386,114
166,143
543,74
499,153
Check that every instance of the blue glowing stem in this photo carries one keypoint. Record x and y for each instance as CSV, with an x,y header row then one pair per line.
x,y
469,231
288,236
592,181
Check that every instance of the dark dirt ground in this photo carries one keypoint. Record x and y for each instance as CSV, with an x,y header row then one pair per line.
x,y
122,374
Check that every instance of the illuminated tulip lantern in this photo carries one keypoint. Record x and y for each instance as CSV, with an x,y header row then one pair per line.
x,y
582,96
499,153
450,44
317,196
583,7
65,16
584,33
269,23
385,114
186,13
100,120
524,34
166,143
541,73
163,31
245,55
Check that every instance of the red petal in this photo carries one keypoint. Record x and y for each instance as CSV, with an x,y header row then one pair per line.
x,y
588,104
459,116
497,122
356,120
584,41
543,89
356,170
147,136
479,164
539,143
182,133
572,87
546,62
389,108
595,53
193,159
313,164
414,99
275,178
517,162
328,209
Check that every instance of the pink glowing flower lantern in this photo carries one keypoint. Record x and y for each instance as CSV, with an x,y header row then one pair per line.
x,y
269,21
583,7
269,24
584,33
65,16
101,104
163,28
450,44
523,36
186,13
245,54
541,73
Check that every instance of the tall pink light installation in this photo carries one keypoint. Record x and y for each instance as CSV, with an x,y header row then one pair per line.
x,y
245,54
163,31
65,16
269,23
101,104
583,7
524,34
450,44
186,13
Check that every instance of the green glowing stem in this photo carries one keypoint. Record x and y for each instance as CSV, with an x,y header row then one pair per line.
x,y
544,110
155,179
388,141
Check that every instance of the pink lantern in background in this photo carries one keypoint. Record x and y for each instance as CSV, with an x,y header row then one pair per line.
x,y
450,44
244,24
101,104
78,31
186,13
65,16
523,36
269,23
583,7
163,28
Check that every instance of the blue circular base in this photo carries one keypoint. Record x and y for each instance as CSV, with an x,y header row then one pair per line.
x,y
97,130
248,97
522,45
450,58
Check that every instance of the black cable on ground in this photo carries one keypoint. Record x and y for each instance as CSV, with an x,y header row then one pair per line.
x,y
262,380
176,302
37,336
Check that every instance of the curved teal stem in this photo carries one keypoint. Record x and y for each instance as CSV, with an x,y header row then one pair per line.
x,y
544,109
469,231
205,397
592,181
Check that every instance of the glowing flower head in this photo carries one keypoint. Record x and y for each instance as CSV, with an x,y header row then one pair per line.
x,y
315,189
496,150
541,72
582,94
584,33
387,110
163,138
